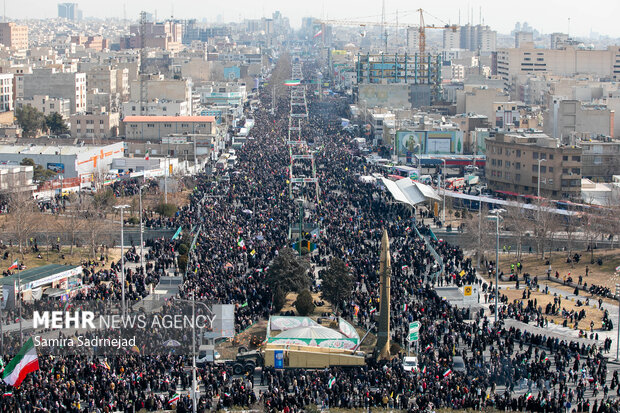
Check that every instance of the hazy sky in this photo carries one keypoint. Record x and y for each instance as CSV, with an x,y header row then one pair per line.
x,y
600,16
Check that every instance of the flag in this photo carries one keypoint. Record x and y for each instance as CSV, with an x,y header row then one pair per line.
x,y
174,399
240,243
462,273
252,252
320,32
447,373
105,365
14,265
424,370
373,310
404,267
244,305
405,306
7,393
356,310
331,382
529,396
147,155
428,347
292,82
26,361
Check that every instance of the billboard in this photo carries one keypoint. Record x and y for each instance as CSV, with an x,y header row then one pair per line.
x,y
58,168
410,143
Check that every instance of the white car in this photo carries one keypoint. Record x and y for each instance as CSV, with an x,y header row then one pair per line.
x,y
410,363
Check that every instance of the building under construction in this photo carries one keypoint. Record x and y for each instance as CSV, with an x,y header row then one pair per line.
x,y
411,69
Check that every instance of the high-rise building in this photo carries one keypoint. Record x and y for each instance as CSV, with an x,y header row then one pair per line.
x,y
523,38
70,86
69,11
413,39
14,36
451,39
478,38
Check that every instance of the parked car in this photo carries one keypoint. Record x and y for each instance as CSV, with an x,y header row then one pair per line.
x,y
410,363
458,364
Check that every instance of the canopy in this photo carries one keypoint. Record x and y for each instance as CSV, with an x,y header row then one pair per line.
x,y
410,192
315,332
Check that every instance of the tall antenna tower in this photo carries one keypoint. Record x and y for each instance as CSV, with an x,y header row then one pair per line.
x,y
143,74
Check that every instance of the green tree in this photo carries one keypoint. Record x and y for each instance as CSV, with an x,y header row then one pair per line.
x,y
304,303
167,210
182,262
287,273
336,282
30,120
39,172
56,123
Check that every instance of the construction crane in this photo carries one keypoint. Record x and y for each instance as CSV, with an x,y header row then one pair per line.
x,y
421,27
143,74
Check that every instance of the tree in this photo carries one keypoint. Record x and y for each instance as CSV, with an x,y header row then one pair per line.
x,y
22,217
166,210
287,273
30,120
98,228
304,303
336,282
480,233
39,173
517,221
56,123
103,199
70,222
545,225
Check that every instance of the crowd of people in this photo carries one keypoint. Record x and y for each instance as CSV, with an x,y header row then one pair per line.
x,y
242,220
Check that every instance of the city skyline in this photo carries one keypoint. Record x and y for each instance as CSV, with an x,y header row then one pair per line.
x,y
597,18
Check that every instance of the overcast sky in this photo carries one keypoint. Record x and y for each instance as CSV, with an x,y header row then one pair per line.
x,y
599,16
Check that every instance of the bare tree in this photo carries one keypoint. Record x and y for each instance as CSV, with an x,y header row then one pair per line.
x,y
518,222
70,221
545,226
98,227
479,233
571,225
23,212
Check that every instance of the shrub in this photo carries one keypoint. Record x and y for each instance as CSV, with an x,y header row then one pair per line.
x,y
304,303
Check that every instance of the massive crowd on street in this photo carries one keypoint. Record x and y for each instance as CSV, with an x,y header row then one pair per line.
x,y
244,220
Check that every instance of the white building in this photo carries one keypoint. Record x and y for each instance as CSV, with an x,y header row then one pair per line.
x,y
451,39
6,92
157,108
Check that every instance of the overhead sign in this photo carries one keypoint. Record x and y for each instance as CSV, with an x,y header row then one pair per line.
x,y
415,326
413,336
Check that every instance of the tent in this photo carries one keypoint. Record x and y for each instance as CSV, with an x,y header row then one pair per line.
x,y
311,332
410,192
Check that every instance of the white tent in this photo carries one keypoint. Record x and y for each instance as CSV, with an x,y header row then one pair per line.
x,y
410,192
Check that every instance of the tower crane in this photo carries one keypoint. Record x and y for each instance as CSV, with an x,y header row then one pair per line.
x,y
421,26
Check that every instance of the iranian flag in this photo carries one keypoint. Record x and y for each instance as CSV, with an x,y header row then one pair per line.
x,y
292,82
529,396
174,399
331,382
26,361
320,32
14,265
147,155
447,373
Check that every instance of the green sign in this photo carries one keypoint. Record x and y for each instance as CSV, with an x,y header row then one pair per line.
x,y
413,336
415,326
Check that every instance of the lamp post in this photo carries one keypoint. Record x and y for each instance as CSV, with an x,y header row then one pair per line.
x,y
141,233
538,191
122,208
443,212
496,218
618,327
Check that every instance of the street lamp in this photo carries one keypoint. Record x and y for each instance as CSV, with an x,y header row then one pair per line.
x,y
496,217
618,327
122,208
443,212
141,233
538,192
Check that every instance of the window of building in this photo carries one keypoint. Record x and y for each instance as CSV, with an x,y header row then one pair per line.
x,y
564,170
499,162
499,151
550,156
551,169
565,158
550,181
534,180
543,169
576,171
507,152
101,121
534,155
507,164
517,166
493,162
150,125
78,121
518,177
576,158
534,168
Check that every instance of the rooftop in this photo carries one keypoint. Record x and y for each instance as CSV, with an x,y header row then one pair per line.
x,y
47,150
168,119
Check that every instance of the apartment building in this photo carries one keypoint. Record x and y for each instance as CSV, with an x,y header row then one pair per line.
x,y
566,118
47,105
95,125
600,159
49,82
6,92
14,36
568,62
513,159
451,39
156,127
